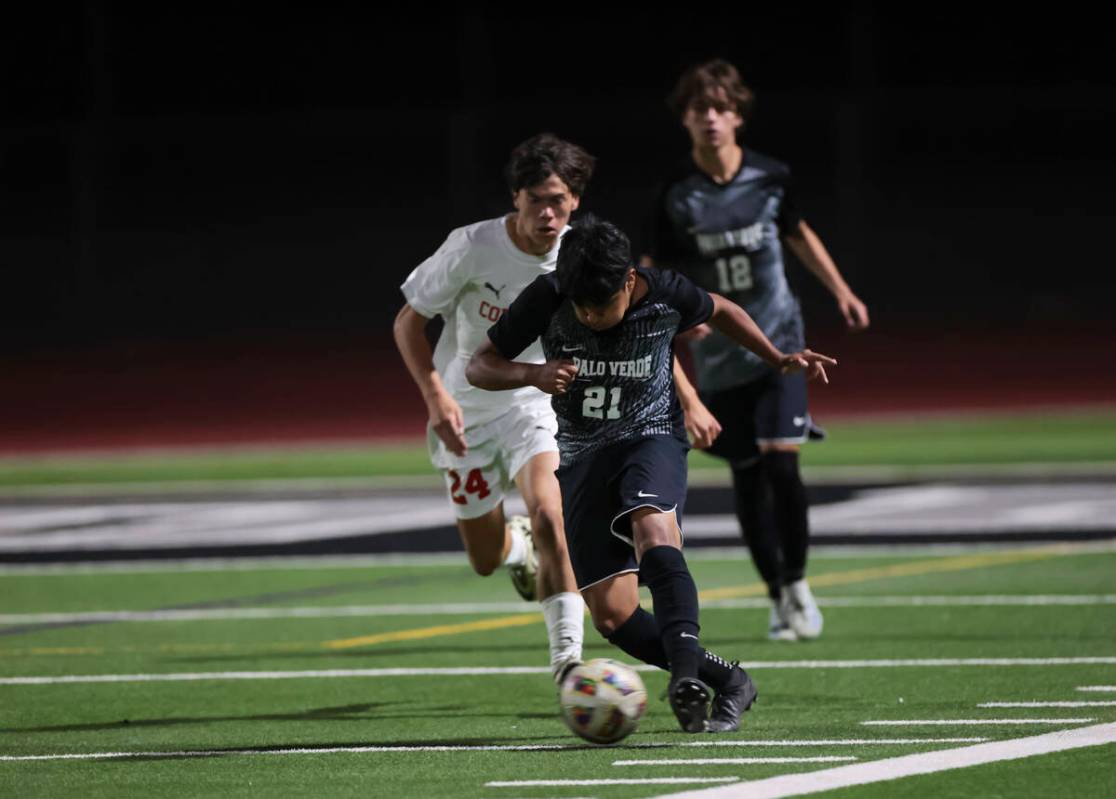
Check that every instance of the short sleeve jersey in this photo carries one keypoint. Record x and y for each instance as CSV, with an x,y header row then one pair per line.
x,y
469,282
624,389
725,237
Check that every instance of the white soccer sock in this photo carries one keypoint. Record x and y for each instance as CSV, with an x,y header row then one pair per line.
x,y
565,625
517,552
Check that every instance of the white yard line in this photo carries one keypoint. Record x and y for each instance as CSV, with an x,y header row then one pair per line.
x,y
1047,704
733,761
968,722
326,674
471,608
1098,688
909,765
476,748
652,781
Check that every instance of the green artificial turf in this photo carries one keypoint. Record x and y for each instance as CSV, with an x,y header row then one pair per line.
x,y
1064,438
212,718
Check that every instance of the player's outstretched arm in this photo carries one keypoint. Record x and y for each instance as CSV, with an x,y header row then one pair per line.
x,y
805,244
490,370
734,322
445,414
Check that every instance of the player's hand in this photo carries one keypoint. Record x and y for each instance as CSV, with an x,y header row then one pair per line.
x,y
695,333
701,426
448,422
854,311
554,377
813,363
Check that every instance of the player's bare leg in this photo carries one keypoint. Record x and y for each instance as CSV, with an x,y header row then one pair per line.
x,y
557,589
490,541
796,605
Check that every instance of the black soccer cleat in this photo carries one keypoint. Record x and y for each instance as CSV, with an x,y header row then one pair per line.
x,y
689,699
731,701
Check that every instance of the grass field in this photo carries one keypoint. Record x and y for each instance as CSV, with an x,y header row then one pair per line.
x,y
1054,440
328,678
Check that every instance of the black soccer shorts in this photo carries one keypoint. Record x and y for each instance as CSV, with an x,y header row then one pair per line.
x,y
599,493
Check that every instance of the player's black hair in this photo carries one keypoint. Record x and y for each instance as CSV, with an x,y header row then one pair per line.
x,y
544,155
593,262
715,81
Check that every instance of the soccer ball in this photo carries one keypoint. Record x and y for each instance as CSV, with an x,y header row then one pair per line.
x,y
602,700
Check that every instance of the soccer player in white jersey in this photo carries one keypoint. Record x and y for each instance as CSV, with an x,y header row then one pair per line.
x,y
485,441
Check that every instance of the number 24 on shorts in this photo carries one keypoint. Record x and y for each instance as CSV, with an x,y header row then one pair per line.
x,y
474,484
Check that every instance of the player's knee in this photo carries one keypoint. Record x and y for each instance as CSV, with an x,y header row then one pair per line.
x,y
484,563
781,467
546,527
606,623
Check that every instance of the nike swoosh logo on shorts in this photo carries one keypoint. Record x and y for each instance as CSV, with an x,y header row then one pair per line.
x,y
799,421
571,349
641,494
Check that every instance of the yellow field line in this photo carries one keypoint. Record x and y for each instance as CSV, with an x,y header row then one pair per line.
x,y
959,563
954,564
518,620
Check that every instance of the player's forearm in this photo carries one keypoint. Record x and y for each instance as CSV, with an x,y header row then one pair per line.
x,y
490,370
409,331
806,245
687,394
732,320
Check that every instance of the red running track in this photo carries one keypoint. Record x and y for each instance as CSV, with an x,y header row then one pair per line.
x,y
354,388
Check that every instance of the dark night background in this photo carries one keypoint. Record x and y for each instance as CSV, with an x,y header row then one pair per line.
x,y
172,176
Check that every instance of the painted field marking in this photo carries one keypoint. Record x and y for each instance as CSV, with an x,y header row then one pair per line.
x,y
960,563
968,722
472,608
909,765
470,748
473,671
650,781
1098,688
753,589
734,761
505,622
1047,704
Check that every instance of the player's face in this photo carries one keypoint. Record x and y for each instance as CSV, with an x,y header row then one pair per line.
x,y
542,211
712,121
602,317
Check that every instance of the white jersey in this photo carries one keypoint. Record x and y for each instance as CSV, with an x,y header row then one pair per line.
x,y
470,281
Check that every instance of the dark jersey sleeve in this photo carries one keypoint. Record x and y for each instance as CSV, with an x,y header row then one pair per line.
x,y
691,301
789,215
527,318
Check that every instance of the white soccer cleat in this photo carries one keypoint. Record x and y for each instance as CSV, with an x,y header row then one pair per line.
x,y
778,628
804,617
523,576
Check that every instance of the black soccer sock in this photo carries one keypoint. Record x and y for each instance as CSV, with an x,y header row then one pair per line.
x,y
790,505
674,595
639,637
757,523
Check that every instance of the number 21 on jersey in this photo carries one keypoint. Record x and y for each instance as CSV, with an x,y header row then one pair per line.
x,y
594,404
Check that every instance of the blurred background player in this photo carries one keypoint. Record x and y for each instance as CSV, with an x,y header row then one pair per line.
x,y
608,329
485,441
721,219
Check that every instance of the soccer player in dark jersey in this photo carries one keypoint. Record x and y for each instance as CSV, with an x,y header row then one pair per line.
x,y
722,220
607,330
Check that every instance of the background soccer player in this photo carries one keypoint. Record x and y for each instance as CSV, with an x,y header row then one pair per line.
x,y
484,441
721,220
607,330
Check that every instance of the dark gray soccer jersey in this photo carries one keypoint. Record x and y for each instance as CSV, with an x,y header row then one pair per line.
x,y
726,239
624,389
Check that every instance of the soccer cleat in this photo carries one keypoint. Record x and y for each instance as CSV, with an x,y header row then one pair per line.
x,y
804,617
778,628
731,701
560,670
689,699
523,575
